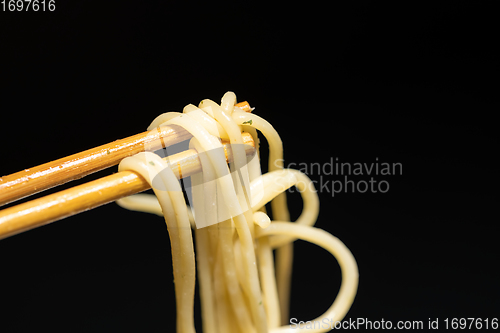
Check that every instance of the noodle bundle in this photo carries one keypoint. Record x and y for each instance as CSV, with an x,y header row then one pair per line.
x,y
242,289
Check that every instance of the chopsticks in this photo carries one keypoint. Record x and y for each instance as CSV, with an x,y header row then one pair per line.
x,y
35,213
38,212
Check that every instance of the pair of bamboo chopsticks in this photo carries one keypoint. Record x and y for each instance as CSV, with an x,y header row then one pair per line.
x,y
53,207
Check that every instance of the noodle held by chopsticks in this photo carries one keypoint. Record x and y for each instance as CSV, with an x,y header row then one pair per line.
x,y
241,288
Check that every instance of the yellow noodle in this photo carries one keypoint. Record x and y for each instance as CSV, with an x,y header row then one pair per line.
x,y
241,288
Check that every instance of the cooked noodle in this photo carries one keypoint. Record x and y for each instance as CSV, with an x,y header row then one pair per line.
x,y
241,288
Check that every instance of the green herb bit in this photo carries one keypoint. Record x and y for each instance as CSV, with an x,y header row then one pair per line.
x,y
151,162
249,122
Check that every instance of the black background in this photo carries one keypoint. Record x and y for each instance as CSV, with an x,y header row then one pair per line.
x,y
402,82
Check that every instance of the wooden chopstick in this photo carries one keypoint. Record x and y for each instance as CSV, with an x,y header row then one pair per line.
x,y
33,180
38,212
